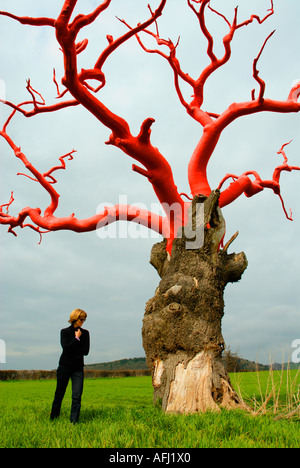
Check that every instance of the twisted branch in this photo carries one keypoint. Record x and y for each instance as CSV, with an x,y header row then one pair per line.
x,y
243,184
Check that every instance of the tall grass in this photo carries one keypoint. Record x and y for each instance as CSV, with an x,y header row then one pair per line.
x,y
271,392
119,413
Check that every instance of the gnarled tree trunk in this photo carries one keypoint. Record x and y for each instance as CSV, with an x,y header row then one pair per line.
x,y
182,334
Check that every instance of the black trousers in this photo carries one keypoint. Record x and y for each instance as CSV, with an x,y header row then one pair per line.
x,y
64,374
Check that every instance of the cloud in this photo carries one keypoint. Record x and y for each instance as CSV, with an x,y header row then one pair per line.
x,y
111,278
265,334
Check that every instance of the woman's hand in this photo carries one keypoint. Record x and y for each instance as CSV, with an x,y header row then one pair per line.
x,y
78,333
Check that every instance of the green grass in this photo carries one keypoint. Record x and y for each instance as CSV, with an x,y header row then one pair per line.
x,y
276,392
119,413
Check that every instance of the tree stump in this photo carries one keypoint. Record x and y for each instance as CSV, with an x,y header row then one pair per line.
x,y
182,334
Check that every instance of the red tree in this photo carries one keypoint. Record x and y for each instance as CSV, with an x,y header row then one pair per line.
x,y
182,324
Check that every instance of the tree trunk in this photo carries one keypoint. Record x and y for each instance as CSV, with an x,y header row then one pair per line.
x,y
182,334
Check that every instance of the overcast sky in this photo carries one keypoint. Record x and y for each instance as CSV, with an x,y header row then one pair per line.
x,y
111,278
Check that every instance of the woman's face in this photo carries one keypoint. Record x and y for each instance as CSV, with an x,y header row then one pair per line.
x,y
80,321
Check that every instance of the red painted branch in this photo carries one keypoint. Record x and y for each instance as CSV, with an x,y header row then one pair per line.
x,y
30,21
40,110
205,148
159,172
71,223
256,76
114,44
155,167
62,165
257,18
84,20
51,223
215,63
39,177
243,184
197,168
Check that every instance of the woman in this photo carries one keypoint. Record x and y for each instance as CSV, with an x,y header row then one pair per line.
x,y
75,343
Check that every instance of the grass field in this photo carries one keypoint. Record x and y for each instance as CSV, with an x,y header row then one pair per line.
x,y
119,413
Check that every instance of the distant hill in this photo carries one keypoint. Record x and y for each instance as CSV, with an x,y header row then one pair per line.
x,y
122,364
285,366
241,365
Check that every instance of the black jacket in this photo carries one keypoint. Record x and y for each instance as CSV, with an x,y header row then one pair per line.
x,y
73,349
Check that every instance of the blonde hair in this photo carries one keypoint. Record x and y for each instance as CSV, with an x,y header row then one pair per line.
x,y
76,314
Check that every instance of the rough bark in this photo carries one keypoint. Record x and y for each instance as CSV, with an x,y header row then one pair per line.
x,y
182,333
